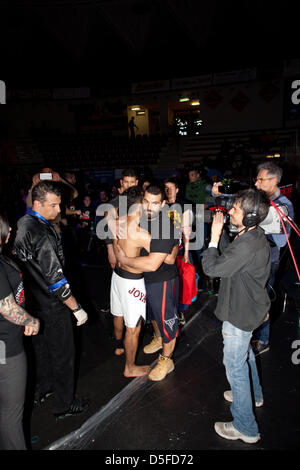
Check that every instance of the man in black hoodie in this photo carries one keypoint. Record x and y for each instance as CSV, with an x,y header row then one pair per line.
x,y
243,303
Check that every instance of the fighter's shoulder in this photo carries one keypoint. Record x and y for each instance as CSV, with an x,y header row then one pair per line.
x,y
143,234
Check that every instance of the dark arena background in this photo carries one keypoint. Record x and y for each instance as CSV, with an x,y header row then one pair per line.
x,y
212,85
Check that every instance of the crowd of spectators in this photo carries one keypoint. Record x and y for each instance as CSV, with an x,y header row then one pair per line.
x,y
76,223
231,163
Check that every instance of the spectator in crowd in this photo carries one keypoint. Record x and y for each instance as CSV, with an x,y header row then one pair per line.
x,y
70,195
196,193
103,199
38,248
196,187
181,218
87,212
213,173
115,189
86,222
14,322
145,185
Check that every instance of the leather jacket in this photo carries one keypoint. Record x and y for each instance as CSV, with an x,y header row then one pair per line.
x,y
38,250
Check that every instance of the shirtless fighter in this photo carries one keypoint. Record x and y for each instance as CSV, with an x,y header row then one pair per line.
x,y
128,293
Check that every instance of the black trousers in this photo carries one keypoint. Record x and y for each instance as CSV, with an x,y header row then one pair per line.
x,y
55,357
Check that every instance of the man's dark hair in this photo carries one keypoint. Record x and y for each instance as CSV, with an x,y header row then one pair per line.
x,y
40,190
171,180
155,191
129,172
247,199
194,168
134,195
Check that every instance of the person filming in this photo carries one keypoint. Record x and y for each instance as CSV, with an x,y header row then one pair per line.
x,y
243,302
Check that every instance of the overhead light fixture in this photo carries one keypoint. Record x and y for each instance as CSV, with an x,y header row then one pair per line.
x,y
136,108
181,100
276,155
140,113
195,103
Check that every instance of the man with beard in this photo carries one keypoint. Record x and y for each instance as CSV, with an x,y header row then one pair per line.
x,y
161,280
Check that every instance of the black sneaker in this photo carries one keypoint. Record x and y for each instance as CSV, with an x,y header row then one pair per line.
x,y
77,407
39,399
261,348
181,319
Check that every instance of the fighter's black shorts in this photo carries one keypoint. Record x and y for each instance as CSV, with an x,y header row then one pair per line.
x,y
162,302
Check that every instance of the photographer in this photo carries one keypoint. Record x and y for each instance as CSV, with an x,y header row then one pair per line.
x,y
268,177
243,302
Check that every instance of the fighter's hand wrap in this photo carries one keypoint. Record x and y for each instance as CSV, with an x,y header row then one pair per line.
x,y
80,315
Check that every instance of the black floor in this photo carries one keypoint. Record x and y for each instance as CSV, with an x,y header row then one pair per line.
x,y
179,412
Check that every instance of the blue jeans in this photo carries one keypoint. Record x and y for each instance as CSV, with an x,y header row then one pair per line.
x,y
238,357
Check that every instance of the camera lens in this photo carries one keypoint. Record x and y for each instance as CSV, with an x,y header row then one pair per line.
x,y
225,202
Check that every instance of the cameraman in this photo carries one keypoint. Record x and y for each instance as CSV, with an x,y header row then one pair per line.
x,y
243,302
267,180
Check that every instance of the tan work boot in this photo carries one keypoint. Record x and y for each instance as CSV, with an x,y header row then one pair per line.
x,y
164,366
154,345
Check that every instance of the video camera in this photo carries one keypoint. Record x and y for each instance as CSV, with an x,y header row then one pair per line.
x,y
271,224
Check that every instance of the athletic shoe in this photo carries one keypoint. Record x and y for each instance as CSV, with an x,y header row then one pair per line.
x,y
77,407
164,366
228,396
228,431
181,319
39,399
154,346
261,348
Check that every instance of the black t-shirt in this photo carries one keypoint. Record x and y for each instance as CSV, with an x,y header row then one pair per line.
x,y
163,239
11,282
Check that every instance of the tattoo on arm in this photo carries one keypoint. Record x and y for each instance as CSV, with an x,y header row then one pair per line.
x,y
12,312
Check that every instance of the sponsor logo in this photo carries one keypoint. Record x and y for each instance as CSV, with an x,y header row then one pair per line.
x,y
2,92
2,353
171,323
138,294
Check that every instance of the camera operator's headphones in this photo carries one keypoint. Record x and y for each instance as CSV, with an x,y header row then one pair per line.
x,y
251,219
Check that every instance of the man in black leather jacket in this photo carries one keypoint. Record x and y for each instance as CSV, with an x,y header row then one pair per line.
x,y
39,251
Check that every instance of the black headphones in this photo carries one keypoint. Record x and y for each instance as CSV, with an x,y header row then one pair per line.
x,y
250,219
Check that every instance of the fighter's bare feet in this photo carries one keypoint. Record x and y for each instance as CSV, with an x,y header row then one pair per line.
x,y
119,351
136,371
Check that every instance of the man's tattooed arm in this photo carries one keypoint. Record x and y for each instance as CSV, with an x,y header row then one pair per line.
x,y
12,312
